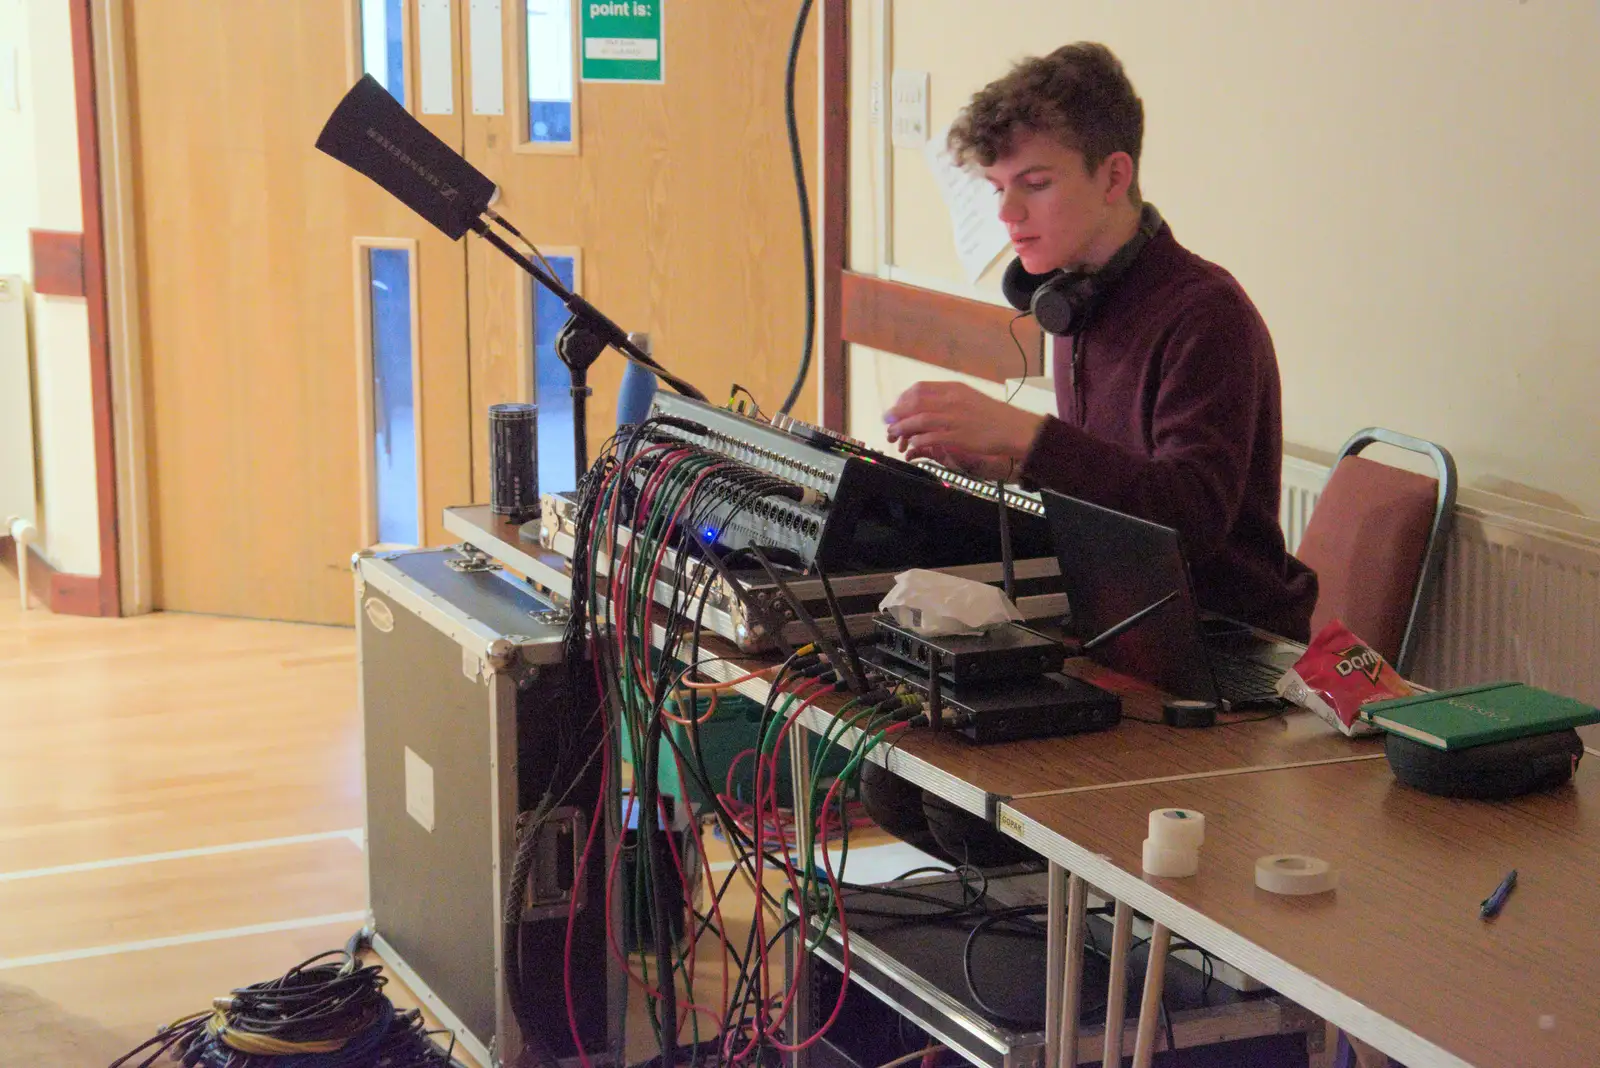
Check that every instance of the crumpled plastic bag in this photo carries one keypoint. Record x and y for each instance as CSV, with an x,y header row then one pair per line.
x,y
931,604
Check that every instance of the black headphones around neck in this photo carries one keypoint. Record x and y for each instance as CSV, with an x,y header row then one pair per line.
x,y
1062,302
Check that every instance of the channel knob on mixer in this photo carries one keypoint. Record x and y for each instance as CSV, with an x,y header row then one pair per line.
x,y
813,433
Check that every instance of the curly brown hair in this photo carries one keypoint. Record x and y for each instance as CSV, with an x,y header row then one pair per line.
x,y
1078,94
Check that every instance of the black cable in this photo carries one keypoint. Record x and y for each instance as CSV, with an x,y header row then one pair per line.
x,y
1008,568
612,502
972,986
807,252
652,839
926,869
736,389
330,999
1011,328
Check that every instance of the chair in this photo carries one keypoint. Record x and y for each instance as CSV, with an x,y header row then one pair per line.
x,y
1376,541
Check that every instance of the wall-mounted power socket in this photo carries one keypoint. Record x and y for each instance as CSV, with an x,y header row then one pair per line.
x,y
909,108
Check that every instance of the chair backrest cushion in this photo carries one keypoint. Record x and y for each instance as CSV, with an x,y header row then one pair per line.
x,y
1366,541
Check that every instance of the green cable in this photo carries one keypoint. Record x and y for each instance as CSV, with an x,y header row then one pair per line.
x,y
812,882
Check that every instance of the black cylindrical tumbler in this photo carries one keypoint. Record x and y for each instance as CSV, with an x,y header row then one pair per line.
x,y
514,461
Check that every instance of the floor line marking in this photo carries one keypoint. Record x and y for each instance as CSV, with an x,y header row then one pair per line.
x,y
352,833
182,940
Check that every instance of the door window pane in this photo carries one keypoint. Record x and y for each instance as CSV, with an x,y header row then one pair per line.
x,y
552,385
383,44
394,426
550,71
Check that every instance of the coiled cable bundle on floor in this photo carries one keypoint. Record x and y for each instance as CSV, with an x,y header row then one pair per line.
x,y
326,1012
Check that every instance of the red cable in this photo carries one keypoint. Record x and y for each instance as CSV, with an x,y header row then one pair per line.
x,y
844,956
766,792
734,764
651,991
655,570
645,505
777,747
716,902
572,907
688,912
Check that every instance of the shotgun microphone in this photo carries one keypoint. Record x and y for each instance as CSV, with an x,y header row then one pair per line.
x,y
372,133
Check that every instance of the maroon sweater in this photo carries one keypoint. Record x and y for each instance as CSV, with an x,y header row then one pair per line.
x,y
1173,414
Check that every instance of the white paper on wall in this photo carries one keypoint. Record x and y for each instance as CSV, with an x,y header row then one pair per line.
x,y
980,236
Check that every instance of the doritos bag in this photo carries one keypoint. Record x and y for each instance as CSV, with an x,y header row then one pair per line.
x,y
1337,675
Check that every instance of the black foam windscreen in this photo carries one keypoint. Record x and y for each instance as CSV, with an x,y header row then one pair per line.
x,y
371,132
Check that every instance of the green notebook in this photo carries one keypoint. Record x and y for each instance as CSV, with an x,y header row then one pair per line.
x,y
1477,715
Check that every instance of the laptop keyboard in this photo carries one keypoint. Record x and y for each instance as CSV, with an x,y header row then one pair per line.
x,y
1240,680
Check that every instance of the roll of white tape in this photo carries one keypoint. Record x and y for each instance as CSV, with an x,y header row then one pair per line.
x,y
1169,863
1178,828
1288,873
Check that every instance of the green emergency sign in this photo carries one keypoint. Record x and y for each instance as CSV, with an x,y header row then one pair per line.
x,y
622,41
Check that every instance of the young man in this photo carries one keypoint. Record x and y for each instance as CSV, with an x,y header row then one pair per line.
x,y
1168,394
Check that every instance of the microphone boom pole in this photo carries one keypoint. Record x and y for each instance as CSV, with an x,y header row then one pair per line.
x,y
374,134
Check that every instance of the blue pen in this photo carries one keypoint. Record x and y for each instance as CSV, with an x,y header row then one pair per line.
x,y
1491,907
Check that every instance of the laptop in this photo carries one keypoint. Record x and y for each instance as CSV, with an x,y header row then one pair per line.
x,y
1113,565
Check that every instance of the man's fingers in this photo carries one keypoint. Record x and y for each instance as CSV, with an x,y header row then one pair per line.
x,y
918,423
932,445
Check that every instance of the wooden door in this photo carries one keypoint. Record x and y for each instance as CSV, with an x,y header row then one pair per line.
x,y
253,306
677,203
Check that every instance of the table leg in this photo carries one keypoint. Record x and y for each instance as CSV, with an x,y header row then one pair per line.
x,y
1055,960
1072,984
799,971
800,783
1117,990
1155,975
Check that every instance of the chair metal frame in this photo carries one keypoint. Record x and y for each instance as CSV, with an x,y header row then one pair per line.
x,y
1443,518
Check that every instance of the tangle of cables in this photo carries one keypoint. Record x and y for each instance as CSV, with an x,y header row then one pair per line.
x,y
327,1012
639,579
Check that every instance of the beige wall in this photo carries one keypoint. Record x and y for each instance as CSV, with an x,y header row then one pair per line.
x,y
40,189
19,187
1405,190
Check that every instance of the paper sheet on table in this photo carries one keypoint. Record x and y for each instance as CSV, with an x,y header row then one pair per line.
x,y
974,213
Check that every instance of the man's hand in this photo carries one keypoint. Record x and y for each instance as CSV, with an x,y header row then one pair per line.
x,y
954,424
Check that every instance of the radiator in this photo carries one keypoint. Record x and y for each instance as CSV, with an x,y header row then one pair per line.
x,y
17,480
1518,597
1302,485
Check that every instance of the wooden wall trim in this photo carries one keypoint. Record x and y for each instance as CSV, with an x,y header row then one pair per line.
x,y
955,333
107,595
835,75
63,594
57,262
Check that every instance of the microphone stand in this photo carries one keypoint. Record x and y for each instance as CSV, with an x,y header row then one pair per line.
x,y
584,337
579,347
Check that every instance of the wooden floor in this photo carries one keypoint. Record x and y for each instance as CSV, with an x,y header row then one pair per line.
x,y
180,814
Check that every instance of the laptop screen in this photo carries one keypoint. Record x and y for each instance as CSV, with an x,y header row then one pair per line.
x,y
1113,565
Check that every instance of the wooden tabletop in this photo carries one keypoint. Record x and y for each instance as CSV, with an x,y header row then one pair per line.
x,y
976,778
979,777
1397,954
